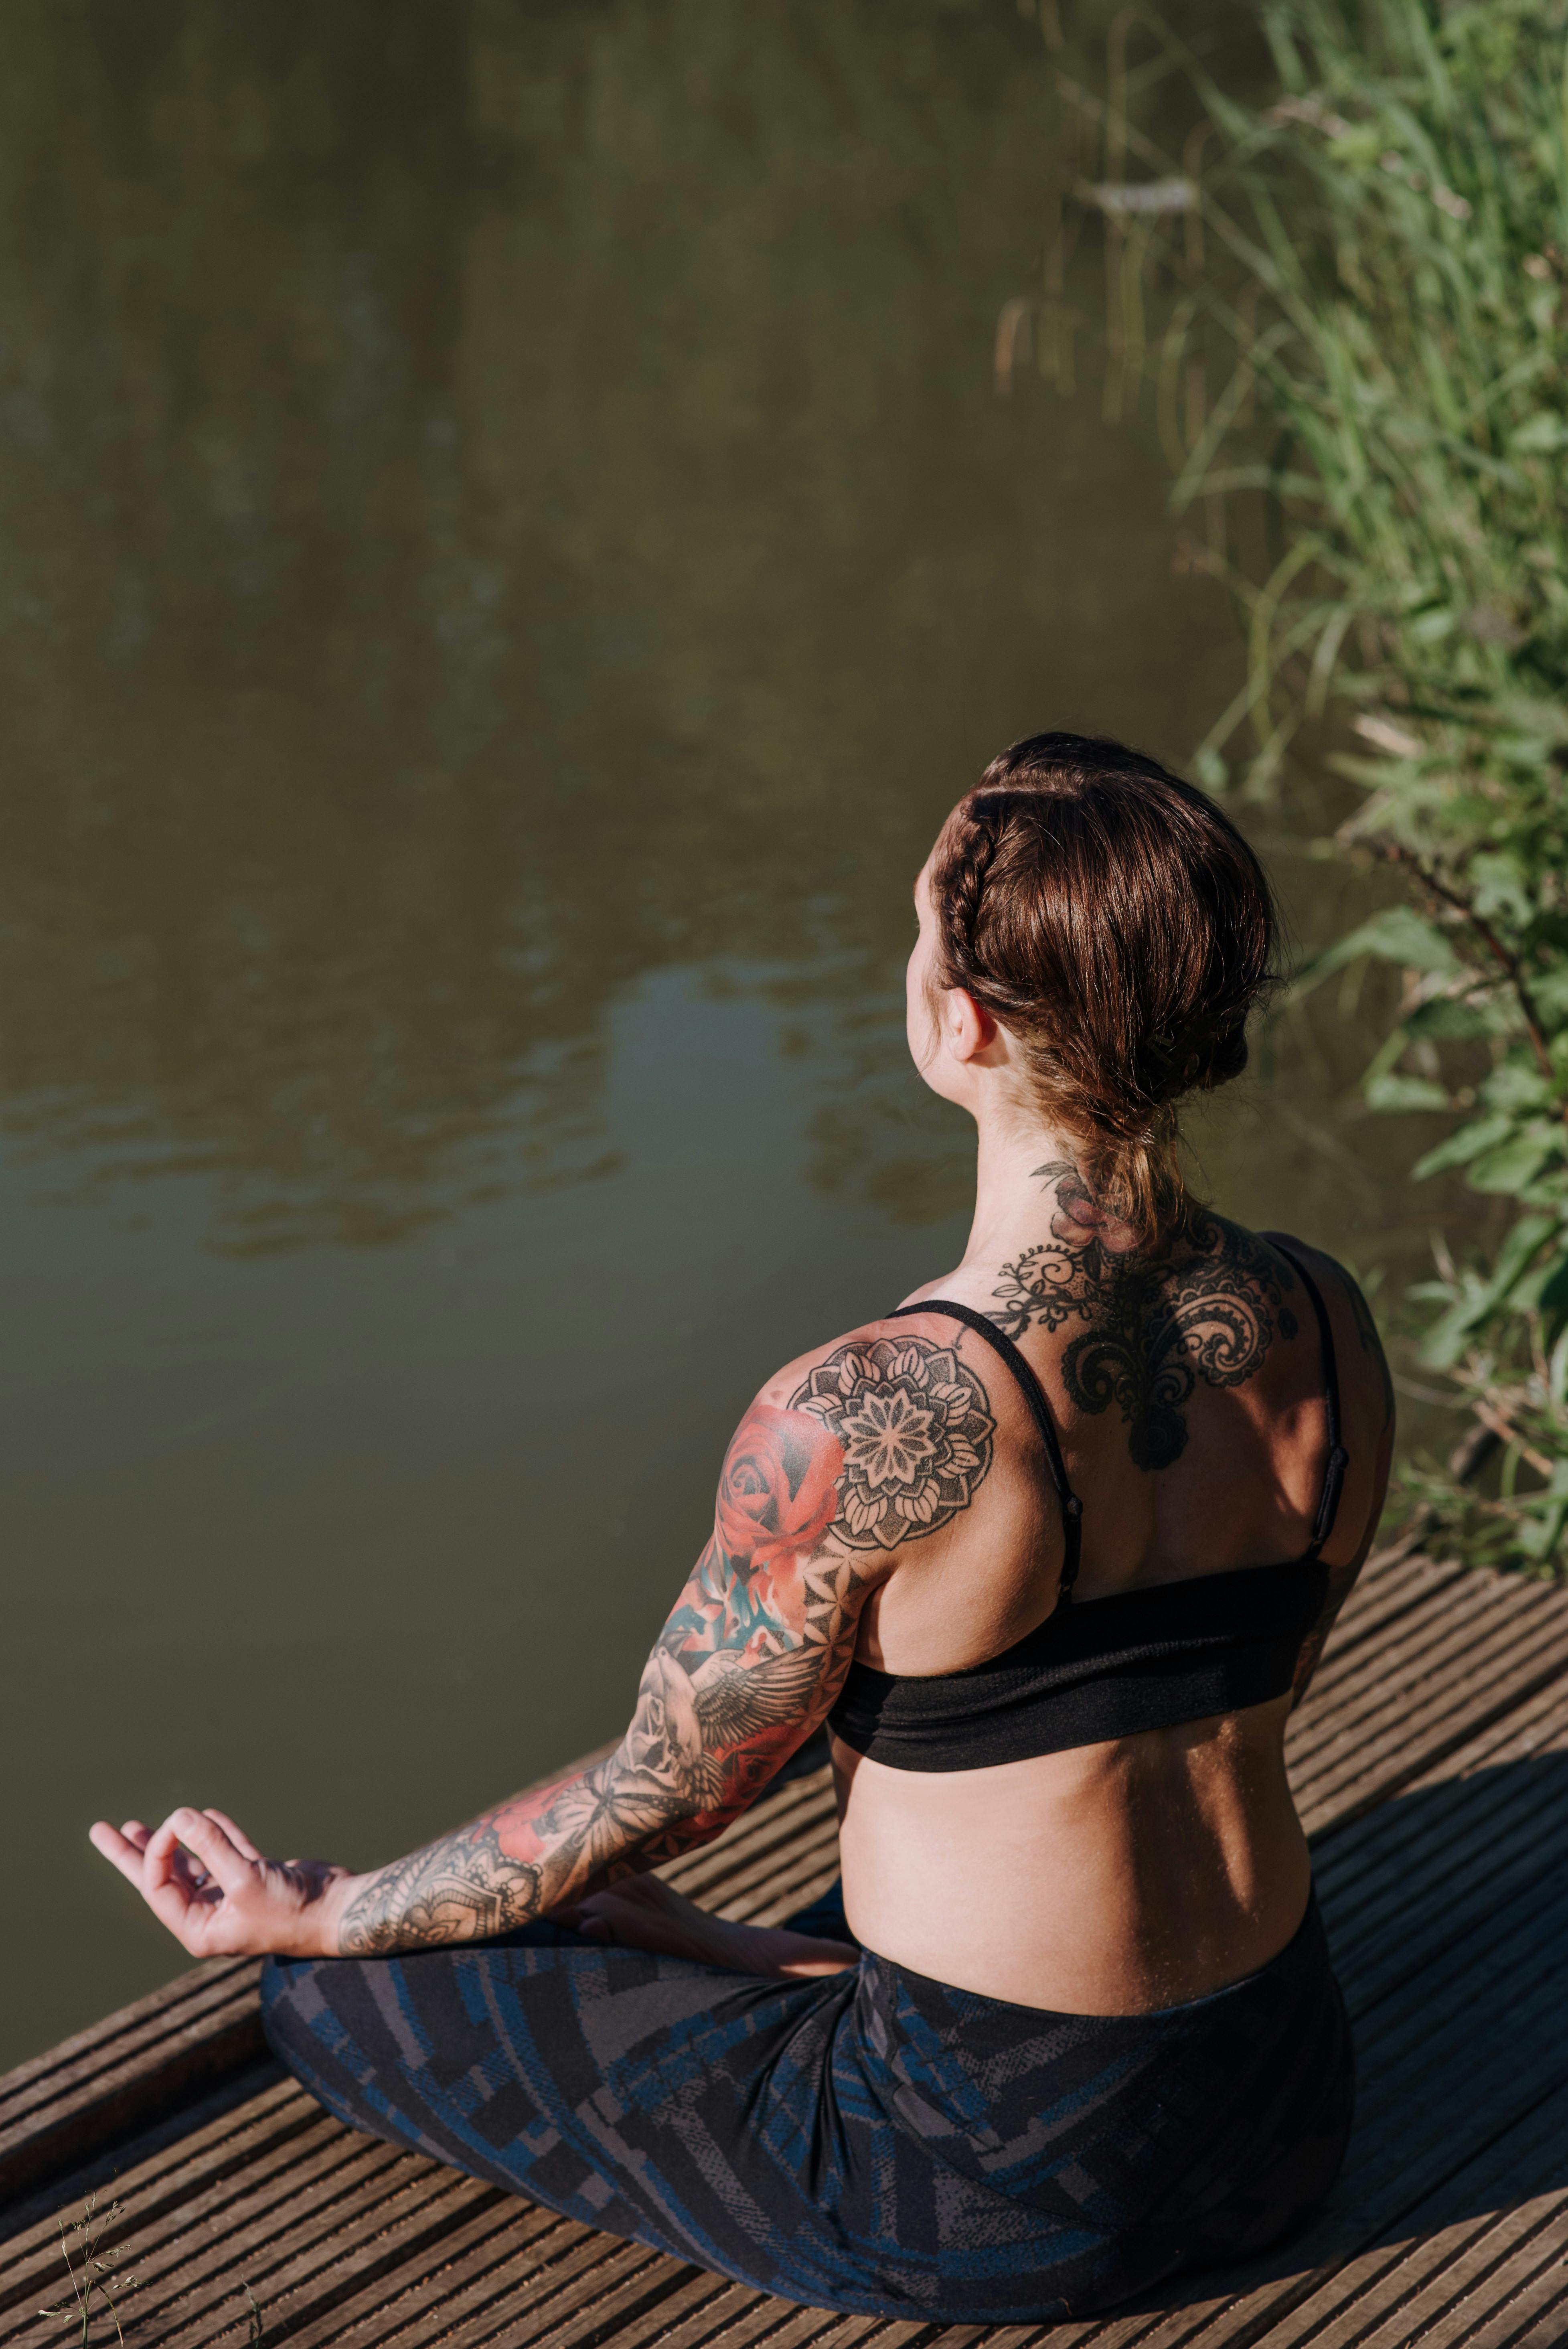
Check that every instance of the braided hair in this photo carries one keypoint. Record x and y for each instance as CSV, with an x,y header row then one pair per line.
x,y
1119,927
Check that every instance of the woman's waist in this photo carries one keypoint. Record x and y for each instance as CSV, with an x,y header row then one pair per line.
x,y
1221,1776
1094,1891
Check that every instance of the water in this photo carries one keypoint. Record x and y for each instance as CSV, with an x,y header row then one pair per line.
x,y
509,546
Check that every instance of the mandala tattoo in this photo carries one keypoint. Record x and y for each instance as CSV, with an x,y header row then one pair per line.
x,y
915,1430
1154,1327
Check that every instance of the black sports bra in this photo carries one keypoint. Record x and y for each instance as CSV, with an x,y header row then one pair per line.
x,y
1105,1668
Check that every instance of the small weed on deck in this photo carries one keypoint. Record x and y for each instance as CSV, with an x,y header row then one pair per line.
x,y
90,2265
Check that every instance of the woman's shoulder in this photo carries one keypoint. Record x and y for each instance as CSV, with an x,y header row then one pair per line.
x,y
1335,1282
1358,1347
911,1418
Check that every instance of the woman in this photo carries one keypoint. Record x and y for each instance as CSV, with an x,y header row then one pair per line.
x,y
1052,1549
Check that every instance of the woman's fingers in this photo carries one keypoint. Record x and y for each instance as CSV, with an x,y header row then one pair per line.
x,y
237,1836
203,1878
166,1886
189,1869
120,1848
206,1842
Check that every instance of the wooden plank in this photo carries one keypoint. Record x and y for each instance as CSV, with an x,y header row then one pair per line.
x,y
1392,1585
735,2319
1445,1646
172,2130
1377,1640
102,2087
536,2299
1524,1729
786,1888
1441,2291
474,2290
199,2173
287,2214
1545,2323
1487,1816
343,2230
1507,2169
1506,1851
468,2269
597,2309
1452,1712
1440,1902
1416,1833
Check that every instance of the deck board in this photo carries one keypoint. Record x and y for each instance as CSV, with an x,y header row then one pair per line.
x,y
1431,1768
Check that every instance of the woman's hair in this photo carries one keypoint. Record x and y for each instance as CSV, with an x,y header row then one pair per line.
x,y
1121,929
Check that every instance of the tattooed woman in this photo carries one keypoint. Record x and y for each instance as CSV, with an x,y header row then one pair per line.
x,y
1052,1549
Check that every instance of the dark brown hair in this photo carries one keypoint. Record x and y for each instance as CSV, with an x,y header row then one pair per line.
x,y
1119,927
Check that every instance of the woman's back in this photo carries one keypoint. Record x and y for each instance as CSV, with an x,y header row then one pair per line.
x,y
1098,1866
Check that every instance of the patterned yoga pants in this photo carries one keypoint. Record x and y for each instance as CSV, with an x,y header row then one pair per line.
x,y
871,2142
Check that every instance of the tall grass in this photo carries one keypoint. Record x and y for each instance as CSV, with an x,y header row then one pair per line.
x,y
1385,284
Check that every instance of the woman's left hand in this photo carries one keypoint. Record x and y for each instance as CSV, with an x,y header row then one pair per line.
x,y
203,1877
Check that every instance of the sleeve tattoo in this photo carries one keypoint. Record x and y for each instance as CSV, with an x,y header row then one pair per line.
x,y
884,1441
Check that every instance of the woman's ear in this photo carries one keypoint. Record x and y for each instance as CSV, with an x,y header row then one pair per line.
x,y
967,1027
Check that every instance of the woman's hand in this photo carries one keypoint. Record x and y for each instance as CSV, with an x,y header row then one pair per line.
x,y
203,1877
643,1912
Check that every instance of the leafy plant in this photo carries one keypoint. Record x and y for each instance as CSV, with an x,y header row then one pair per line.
x,y
1385,282
90,2266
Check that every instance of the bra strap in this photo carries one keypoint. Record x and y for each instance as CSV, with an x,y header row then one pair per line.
x,y
1339,1459
1035,1396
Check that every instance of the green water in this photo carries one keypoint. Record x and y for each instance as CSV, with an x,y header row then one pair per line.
x,y
509,546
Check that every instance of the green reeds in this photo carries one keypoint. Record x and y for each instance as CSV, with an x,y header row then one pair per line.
x,y
1383,314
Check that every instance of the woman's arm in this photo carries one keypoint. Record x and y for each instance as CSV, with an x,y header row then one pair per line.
x,y
1375,1379
746,1668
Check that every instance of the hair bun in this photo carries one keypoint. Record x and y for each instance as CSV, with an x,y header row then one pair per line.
x,y
1122,929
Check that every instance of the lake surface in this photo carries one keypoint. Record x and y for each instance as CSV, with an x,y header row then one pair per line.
x,y
508,547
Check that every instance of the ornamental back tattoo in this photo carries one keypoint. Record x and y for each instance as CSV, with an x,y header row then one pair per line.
x,y
884,1441
1154,1326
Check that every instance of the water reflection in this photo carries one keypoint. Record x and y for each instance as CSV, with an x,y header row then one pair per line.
x,y
508,548
489,512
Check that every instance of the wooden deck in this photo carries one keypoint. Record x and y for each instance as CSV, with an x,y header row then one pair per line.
x,y
1431,1765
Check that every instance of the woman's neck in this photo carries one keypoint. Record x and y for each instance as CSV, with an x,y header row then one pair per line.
x,y
1029,1190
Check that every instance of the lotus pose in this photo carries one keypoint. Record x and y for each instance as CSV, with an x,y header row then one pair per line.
x,y
1052,1549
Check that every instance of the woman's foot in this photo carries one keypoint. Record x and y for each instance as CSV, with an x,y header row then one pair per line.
x,y
643,1912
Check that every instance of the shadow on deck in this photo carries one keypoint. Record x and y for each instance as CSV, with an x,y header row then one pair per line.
x,y
1431,1767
